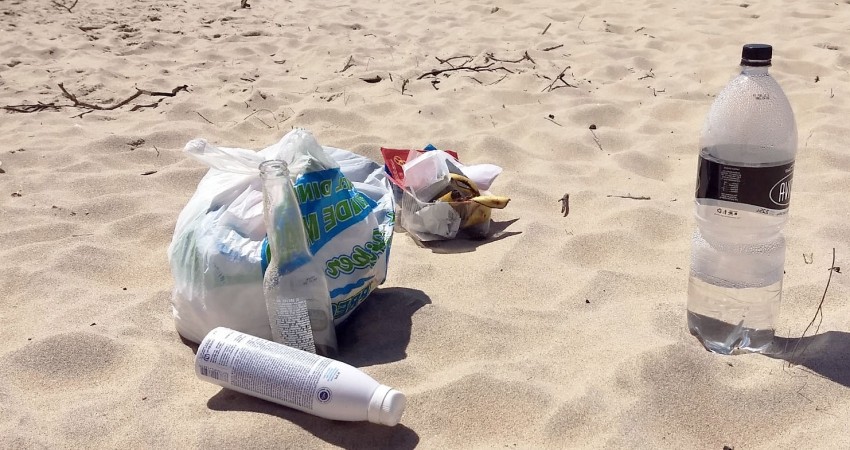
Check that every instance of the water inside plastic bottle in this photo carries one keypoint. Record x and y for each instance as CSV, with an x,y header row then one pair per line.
x,y
735,290
730,320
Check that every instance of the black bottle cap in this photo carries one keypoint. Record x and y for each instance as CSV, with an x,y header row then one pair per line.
x,y
756,55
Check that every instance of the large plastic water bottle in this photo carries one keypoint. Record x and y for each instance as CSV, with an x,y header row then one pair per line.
x,y
746,163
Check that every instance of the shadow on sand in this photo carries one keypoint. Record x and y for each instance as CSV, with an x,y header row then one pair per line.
x,y
378,332
826,354
465,244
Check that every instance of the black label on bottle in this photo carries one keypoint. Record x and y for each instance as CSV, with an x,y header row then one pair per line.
x,y
762,187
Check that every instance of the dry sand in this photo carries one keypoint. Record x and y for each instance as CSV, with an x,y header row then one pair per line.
x,y
559,332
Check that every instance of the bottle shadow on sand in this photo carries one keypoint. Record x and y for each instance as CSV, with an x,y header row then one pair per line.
x,y
378,332
826,354
341,434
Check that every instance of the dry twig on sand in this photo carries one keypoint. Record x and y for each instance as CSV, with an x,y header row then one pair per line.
x,y
489,65
202,117
274,117
818,312
64,6
648,75
525,57
560,78
630,197
595,137
77,103
551,118
38,107
348,64
565,204
481,68
139,92
449,60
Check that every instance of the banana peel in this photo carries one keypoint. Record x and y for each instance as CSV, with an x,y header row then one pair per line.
x,y
474,209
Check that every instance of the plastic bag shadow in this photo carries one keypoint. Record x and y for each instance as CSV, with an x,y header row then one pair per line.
x,y
827,354
192,345
338,433
378,332
464,244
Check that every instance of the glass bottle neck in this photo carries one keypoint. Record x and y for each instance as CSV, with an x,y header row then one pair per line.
x,y
284,225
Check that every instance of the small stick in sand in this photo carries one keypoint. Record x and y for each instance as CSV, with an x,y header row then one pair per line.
x,y
560,78
648,75
139,92
275,117
404,86
595,137
819,311
630,197
449,60
202,117
483,68
26,109
495,82
348,64
551,118
553,48
67,8
491,57
546,29
565,205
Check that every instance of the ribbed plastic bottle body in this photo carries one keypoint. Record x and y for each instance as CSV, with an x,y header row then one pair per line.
x,y
747,152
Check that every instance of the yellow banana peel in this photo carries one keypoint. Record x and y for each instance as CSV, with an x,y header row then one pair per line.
x,y
465,197
492,201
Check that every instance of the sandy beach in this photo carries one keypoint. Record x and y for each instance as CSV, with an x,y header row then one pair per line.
x,y
557,332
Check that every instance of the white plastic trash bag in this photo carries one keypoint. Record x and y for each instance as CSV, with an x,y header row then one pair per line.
x,y
218,251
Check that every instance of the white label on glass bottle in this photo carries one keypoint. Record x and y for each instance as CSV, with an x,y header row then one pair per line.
x,y
292,322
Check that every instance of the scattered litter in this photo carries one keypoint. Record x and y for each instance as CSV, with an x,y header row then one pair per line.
x,y
440,197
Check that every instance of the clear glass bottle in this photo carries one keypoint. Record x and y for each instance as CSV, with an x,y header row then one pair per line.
x,y
296,291
747,151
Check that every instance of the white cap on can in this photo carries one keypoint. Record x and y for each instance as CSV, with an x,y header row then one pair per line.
x,y
386,406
